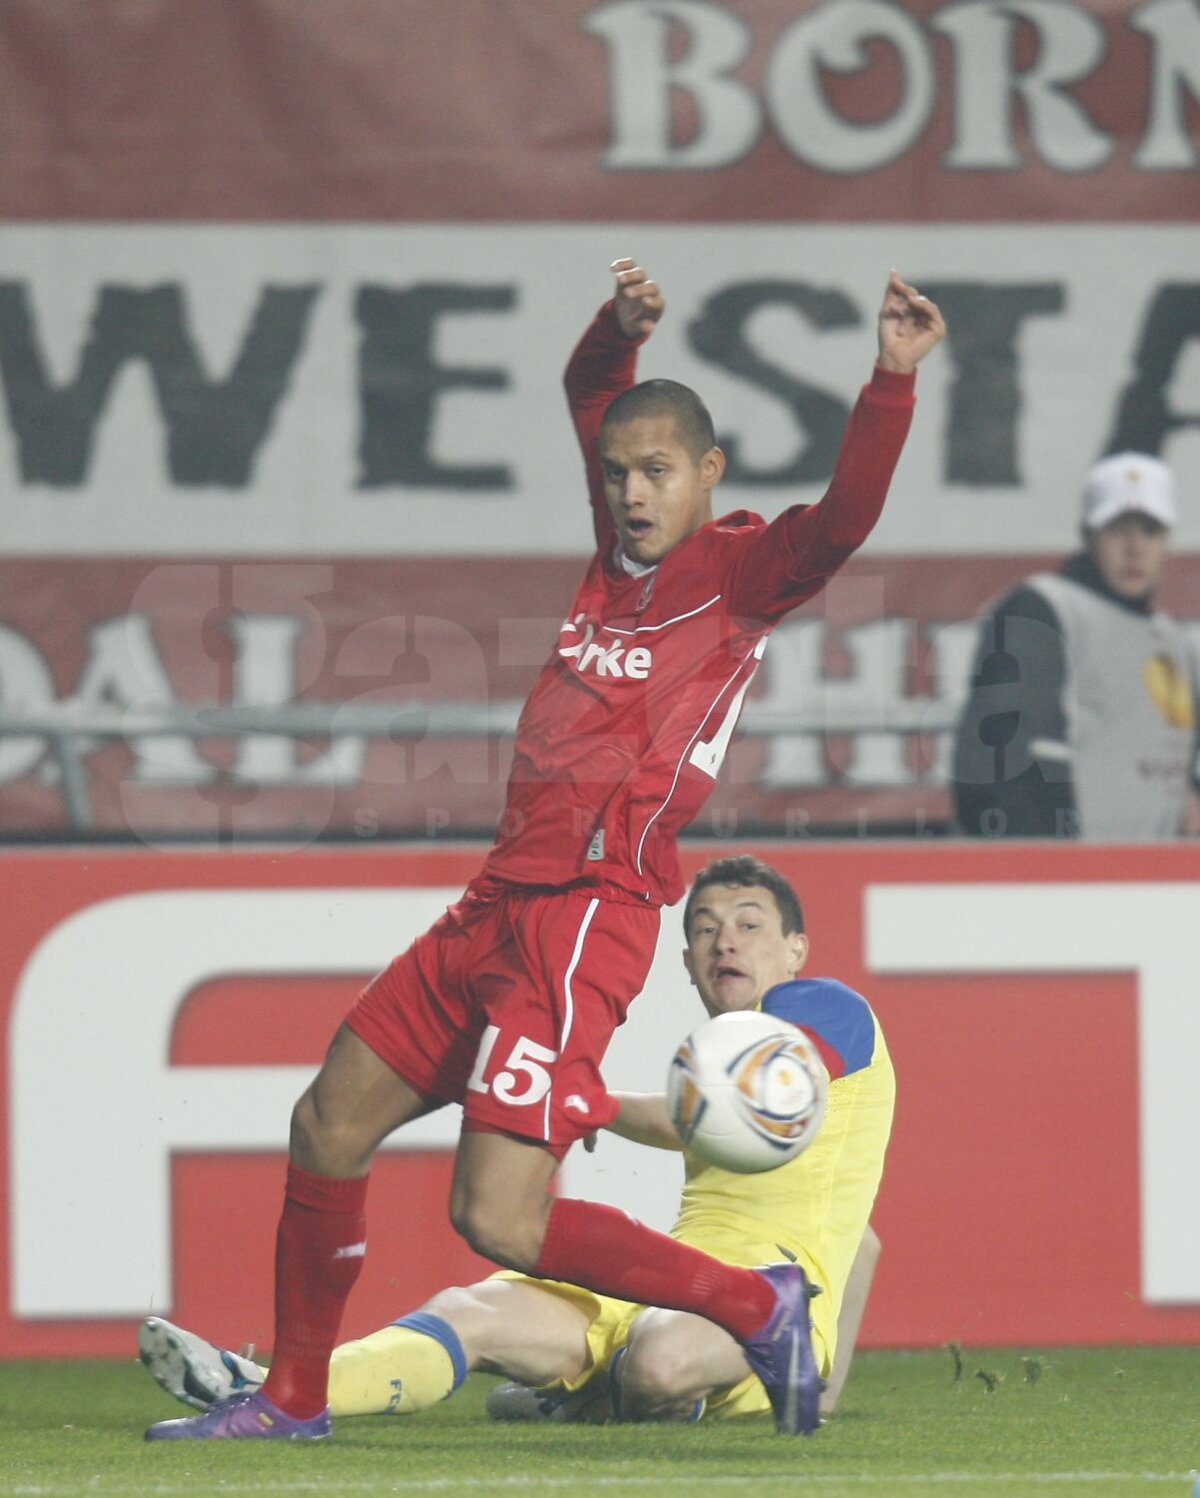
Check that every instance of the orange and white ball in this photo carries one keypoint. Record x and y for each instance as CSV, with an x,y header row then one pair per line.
x,y
747,1092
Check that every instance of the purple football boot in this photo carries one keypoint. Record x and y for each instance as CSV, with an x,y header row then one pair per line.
x,y
245,1417
782,1356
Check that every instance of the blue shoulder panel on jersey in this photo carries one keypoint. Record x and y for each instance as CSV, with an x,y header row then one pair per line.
x,y
829,1010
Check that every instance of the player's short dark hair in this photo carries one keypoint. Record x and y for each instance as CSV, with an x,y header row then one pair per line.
x,y
743,870
667,398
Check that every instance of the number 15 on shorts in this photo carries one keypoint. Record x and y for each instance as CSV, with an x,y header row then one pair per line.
x,y
524,1079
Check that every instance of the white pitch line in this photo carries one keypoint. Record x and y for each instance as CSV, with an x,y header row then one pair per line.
x,y
535,1480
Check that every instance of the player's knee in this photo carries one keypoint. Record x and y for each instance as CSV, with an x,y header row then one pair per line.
x,y
305,1132
498,1232
452,1303
652,1377
322,1143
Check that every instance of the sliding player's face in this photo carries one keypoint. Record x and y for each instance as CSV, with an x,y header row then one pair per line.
x,y
657,491
737,948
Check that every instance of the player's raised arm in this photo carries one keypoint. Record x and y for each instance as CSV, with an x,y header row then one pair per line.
x,y
795,556
603,365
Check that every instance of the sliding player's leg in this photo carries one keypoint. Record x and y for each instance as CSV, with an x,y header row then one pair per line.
x,y
672,1365
653,1365
192,1370
674,1360
513,1327
537,1333
671,1361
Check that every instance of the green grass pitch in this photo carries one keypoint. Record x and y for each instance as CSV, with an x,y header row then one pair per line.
x,y
1102,1421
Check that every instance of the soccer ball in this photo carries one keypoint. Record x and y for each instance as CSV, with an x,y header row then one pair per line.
x,y
747,1092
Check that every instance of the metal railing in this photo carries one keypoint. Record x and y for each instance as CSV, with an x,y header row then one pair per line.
x,y
69,728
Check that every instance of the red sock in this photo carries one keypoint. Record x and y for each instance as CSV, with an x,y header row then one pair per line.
x,y
318,1255
606,1250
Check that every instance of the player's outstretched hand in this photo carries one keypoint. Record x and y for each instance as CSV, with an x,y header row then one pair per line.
x,y
638,300
909,326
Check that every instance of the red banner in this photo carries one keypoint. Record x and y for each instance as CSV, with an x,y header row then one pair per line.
x,y
292,285
599,109
160,1011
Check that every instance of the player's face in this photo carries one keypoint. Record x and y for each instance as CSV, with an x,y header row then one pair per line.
x,y
737,948
657,492
1129,554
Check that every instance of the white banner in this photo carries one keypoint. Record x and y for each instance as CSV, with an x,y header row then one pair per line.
x,y
355,390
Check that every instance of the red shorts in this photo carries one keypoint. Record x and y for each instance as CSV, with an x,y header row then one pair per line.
x,y
507,1005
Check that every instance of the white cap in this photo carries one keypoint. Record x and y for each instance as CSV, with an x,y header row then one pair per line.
x,y
1125,483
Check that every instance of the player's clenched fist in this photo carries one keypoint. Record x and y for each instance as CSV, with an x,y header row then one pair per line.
x,y
639,302
909,326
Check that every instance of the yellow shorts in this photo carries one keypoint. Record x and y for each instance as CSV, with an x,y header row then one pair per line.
x,y
610,1321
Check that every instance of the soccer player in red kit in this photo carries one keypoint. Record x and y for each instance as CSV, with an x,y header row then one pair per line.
x,y
508,1003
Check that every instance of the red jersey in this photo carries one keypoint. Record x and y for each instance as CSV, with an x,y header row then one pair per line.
x,y
621,739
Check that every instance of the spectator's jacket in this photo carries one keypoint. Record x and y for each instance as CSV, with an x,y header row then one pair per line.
x,y
1081,718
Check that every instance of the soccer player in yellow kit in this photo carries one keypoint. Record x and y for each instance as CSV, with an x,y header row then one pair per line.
x,y
585,1355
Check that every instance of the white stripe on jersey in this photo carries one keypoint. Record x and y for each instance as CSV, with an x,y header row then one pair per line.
x,y
650,628
569,1014
755,650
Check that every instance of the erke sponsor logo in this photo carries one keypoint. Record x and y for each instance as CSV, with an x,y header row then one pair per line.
x,y
604,659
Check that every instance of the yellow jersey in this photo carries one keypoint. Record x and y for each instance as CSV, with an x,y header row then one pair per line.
x,y
815,1208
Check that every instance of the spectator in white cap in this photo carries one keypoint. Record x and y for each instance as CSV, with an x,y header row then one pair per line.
x,y
1082,710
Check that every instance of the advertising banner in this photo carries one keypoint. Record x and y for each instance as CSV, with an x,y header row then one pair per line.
x,y
602,110
162,1011
293,286
348,390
